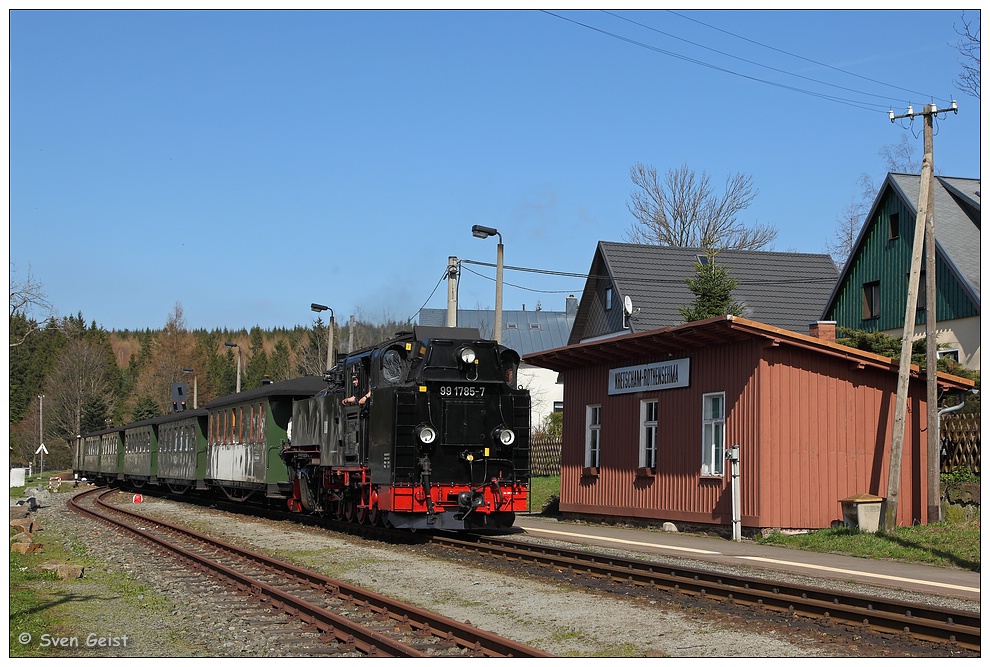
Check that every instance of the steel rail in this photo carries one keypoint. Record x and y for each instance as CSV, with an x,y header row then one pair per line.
x,y
919,621
344,630
477,641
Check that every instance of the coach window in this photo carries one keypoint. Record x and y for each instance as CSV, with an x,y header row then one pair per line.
x,y
713,435
261,422
593,436
648,434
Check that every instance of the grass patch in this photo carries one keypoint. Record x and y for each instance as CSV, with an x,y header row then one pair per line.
x,y
942,544
541,490
29,613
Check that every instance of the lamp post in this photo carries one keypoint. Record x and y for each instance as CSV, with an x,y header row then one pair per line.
x,y
484,233
319,308
195,388
238,363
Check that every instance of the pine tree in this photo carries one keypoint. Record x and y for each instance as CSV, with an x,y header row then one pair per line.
x,y
712,289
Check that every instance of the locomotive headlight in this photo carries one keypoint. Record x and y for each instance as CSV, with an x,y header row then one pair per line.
x,y
426,434
505,436
468,355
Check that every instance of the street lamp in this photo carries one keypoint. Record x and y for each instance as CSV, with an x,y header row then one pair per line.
x,y
195,388
319,308
238,363
484,233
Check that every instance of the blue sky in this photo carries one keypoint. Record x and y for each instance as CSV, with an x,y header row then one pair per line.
x,y
246,164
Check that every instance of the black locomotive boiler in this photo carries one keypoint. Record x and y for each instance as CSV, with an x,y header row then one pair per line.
x,y
425,431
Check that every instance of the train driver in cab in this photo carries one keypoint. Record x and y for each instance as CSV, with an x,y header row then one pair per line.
x,y
356,396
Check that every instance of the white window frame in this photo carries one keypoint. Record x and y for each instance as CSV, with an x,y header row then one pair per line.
x,y
953,353
648,433
713,435
593,436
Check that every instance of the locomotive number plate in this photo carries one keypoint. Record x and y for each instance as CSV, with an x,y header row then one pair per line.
x,y
460,391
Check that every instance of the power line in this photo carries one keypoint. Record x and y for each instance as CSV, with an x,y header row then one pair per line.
x,y
795,55
860,104
435,287
769,67
657,281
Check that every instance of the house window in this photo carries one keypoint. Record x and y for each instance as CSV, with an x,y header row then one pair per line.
x,y
593,436
895,226
608,298
558,406
648,434
871,300
713,435
949,354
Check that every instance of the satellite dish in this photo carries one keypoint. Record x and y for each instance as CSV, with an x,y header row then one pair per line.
x,y
627,305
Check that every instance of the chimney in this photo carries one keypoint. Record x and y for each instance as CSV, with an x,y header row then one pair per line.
x,y
572,305
824,330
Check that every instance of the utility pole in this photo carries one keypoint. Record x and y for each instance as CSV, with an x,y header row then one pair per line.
x,y
925,203
451,291
931,365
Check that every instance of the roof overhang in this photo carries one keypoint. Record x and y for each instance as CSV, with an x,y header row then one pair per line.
x,y
684,338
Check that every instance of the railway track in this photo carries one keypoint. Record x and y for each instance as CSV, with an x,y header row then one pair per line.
x,y
954,627
358,621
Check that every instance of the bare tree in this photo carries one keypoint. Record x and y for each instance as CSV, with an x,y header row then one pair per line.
x,y
969,48
80,372
683,210
848,224
900,157
25,297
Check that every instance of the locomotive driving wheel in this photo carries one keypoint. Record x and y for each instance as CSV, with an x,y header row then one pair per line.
x,y
376,516
350,510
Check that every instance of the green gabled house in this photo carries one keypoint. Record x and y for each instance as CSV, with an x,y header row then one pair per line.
x,y
872,289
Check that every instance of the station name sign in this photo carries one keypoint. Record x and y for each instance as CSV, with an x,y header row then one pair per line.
x,y
649,377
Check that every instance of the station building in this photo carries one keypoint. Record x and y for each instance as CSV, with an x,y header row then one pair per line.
x,y
649,416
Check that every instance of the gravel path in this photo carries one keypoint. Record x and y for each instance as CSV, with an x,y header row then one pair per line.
x,y
129,591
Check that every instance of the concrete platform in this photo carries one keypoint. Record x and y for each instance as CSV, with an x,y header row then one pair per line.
x,y
948,582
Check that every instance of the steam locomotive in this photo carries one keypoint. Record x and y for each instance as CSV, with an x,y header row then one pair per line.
x,y
427,430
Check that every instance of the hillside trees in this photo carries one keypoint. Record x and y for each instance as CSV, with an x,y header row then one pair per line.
x,y
92,378
162,359
683,210
256,369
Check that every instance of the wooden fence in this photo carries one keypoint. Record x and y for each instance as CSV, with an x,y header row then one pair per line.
x,y
544,456
961,442
960,447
